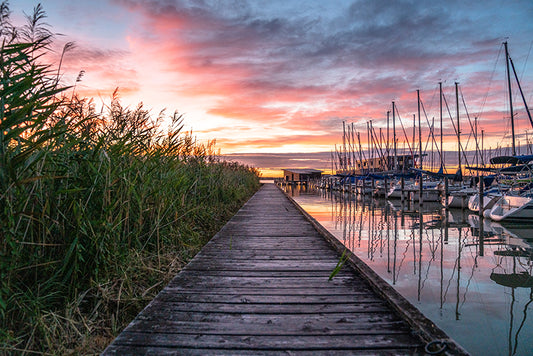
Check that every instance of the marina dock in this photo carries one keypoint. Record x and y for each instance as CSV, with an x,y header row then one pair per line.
x,y
261,286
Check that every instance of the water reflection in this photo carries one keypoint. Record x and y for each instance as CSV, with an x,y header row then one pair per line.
x,y
471,277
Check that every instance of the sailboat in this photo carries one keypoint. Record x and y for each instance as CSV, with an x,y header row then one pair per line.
x,y
490,197
517,203
514,207
425,188
460,194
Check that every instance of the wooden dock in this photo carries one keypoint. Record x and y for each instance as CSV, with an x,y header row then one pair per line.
x,y
261,287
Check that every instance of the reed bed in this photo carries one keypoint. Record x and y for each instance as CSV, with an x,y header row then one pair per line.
x,y
98,209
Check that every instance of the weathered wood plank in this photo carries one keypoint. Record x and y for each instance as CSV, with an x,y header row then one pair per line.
x,y
236,255
267,329
157,350
260,342
264,232
266,273
279,245
362,306
266,290
260,282
264,299
282,265
348,321
296,241
313,250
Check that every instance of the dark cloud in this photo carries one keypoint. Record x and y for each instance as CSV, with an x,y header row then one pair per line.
x,y
403,36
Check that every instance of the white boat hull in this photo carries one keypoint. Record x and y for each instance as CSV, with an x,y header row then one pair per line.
x,y
488,201
510,207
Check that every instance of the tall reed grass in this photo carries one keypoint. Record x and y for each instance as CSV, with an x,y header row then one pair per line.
x,y
97,209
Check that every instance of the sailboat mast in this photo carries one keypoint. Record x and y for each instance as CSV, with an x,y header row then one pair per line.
x,y
475,138
353,147
361,154
419,129
458,127
414,135
388,146
482,148
521,91
332,159
344,144
395,160
369,146
441,129
510,98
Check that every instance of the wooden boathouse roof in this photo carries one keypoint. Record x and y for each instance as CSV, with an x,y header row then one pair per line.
x,y
261,287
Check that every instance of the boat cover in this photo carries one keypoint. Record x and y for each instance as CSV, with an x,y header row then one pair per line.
x,y
511,159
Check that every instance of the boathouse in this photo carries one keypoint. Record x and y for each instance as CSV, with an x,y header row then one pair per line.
x,y
301,175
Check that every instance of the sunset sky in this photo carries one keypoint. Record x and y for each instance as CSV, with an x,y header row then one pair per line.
x,y
273,80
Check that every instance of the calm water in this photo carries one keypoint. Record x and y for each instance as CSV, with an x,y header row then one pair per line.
x,y
478,290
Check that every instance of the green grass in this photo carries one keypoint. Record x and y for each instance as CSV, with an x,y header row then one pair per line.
x,y
97,210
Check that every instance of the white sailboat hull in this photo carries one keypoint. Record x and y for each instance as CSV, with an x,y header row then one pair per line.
x,y
488,201
510,207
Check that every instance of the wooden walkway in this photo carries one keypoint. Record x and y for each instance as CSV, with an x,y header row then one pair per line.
x,y
260,287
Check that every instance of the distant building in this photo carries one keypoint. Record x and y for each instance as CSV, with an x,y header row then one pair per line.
x,y
301,175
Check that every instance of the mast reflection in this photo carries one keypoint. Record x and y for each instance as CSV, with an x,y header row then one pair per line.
x,y
467,275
